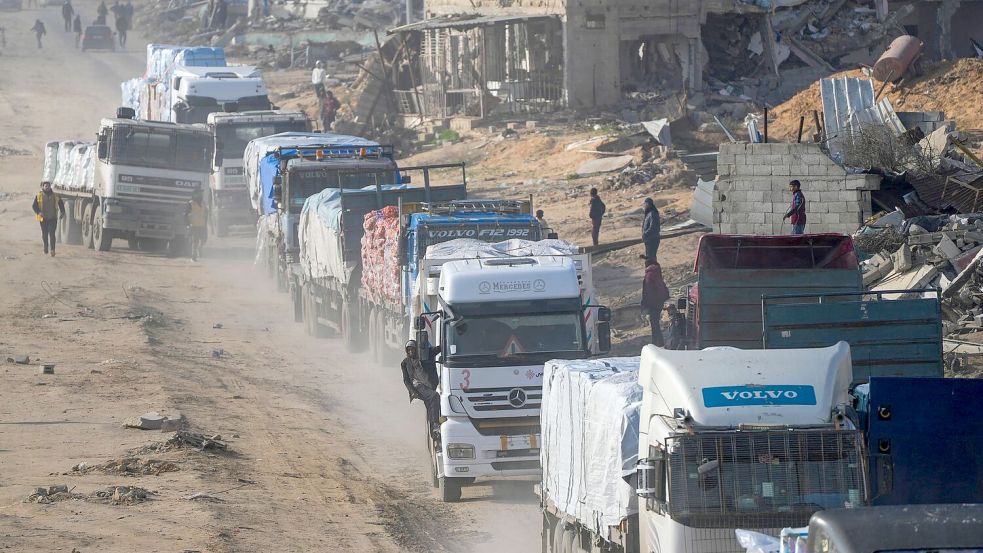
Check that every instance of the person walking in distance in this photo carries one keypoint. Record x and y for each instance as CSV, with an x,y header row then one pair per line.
x,y
596,214
67,11
39,31
651,230
654,296
198,224
420,379
77,27
317,79
47,205
101,12
796,213
329,110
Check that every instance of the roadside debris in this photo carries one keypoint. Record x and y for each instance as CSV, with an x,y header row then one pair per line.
x,y
124,495
197,441
147,421
127,466
51,494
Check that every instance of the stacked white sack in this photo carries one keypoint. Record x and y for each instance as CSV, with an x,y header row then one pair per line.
x,y
589,427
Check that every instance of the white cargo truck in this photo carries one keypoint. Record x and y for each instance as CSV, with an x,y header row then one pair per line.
x,y
134,183
228,196
704,443
195,92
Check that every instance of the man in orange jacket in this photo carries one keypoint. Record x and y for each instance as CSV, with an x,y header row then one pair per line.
x,y
654,296
46,206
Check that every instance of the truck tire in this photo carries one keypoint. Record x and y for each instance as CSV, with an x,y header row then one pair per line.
x,y
349,329
102,239
87,225
298,301
305,299
450,489
133,243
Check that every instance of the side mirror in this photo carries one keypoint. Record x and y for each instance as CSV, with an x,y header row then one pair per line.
x,y
603,315
603,338
681,304
552,236
420,323
422,343
101,149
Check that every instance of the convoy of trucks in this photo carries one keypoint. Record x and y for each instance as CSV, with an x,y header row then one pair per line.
x,y
133,183
228,197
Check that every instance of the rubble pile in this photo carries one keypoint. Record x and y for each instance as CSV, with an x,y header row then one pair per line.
x,y
124,495
127,466
51,494
940,252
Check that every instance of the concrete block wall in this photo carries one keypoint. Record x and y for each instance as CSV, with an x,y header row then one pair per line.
x,y
751,194
929,121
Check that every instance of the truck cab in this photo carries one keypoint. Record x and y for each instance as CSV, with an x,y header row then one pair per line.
x,y
750,439
146,172
497,321
196,92
951,528
228,197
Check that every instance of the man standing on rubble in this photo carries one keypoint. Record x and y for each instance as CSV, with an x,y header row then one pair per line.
x,y
651,230
420,379
796,213
654,296
317,79
46,207
596,214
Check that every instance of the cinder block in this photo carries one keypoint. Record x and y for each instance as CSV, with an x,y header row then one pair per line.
x,y
817,170
797,169
763,185
826,196
849,196
781,169
757,196
814,159
756,217
836,207
853,207
737,196
761,170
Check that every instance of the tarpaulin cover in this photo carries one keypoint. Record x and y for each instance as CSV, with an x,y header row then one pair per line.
x,y
380,255
291,142
320,236
267,231
589,422
162,58
52,155
131,90
469,248
76,167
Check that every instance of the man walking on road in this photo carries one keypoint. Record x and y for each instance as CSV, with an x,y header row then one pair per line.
x,y
651,230
67,11
46,207
796,213
420,380
654,296
198,223
596,214
39,31
77,27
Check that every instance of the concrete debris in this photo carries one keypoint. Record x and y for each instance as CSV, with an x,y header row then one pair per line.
x,y
603,165
197,441
124,495
59,492
203,497
127,466
147,421
47,368
19,359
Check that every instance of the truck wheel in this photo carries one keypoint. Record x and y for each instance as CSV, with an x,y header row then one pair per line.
x,y
298,301
133,243
305,300
102,238
450,489
349,332
87,225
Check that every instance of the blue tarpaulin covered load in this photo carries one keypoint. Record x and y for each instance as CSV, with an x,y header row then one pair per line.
x,y
262,156
590,431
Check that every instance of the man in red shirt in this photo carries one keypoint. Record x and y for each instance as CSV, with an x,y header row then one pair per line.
x,y
796,213
654,295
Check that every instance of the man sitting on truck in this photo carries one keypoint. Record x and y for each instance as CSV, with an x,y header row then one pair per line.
x,y
46,206
420,379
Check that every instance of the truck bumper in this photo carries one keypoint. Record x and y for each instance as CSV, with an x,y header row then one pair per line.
x,y
494,456
145,220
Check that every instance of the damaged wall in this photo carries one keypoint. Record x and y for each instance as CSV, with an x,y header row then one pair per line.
x,y
751,194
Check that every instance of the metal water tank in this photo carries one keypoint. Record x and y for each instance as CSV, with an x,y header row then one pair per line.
x,y
895,60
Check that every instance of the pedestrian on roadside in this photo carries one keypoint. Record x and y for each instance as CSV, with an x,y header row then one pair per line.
x,y
328,110
197,224
651,230
122,26
67,12
541,219
46,206
101,12
796,213
420,379
676,338
77,27
654,296
39,31
317,79
596,214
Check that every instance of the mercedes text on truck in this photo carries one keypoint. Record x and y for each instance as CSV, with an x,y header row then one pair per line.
x,y
134,183
228,197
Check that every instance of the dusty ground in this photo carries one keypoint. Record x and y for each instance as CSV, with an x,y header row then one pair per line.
x,y
325,453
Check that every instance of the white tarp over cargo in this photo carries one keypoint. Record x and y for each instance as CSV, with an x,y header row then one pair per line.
x,y
469,248
76,167
589,427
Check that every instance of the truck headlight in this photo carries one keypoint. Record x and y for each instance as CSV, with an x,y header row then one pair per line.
x,y
460,451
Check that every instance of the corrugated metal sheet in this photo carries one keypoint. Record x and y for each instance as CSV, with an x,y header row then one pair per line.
x,y
959,187
849,102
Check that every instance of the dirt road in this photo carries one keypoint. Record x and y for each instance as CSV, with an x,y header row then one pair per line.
x,y
324,454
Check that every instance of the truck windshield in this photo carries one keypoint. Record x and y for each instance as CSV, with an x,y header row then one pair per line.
x,y
490,335
306,183
159,148
762,479
231,139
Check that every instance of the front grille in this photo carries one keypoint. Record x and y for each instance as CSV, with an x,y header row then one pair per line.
x,y
515,465
500,399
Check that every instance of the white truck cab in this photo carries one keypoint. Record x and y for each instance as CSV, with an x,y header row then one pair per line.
x,y
753,439
196,92
497,321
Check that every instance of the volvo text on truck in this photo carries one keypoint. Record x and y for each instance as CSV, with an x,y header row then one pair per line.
x,y
710,441
228,198
133,183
